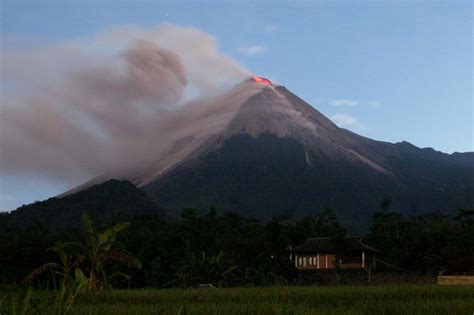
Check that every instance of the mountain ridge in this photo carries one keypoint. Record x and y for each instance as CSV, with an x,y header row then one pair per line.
x,y
108,202
261,150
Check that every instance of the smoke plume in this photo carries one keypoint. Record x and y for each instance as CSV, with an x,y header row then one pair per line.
x,y
83,107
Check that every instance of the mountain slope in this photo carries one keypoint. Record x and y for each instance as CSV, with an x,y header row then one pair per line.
x,y
262,151
279,155
108,202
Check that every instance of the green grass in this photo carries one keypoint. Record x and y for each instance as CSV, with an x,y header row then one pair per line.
x,y
400,299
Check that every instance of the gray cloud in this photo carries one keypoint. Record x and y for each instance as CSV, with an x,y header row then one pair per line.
x,y
86,106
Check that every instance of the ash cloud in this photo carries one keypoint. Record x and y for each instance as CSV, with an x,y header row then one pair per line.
x,y
80,108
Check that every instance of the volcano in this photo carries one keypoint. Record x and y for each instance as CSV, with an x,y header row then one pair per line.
x,y
262,151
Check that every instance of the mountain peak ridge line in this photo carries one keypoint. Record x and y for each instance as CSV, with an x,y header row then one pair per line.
x,y
301,157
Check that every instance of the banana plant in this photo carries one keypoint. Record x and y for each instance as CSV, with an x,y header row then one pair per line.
x,y
84,262
100,249
68,261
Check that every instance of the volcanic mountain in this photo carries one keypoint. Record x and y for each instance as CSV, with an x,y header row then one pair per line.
x,y
262,151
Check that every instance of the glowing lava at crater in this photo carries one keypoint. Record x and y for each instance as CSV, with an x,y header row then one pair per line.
x,y
261,80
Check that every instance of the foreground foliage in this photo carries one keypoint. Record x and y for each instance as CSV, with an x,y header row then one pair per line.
x,y
83,263
405,299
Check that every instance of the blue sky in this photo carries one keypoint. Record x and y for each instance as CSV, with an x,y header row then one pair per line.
x,y
391,71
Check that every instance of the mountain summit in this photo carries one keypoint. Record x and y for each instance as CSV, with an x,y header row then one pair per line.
x,y
262,151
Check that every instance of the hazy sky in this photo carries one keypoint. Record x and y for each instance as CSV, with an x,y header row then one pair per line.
x,y
392,71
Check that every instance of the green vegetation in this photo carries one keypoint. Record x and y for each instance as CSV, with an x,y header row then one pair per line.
x,y
77,273
89,256
405,299
229,250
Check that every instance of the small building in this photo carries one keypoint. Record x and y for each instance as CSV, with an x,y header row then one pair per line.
x,y
324,253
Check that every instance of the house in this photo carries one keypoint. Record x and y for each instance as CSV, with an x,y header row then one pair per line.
x,y
323,253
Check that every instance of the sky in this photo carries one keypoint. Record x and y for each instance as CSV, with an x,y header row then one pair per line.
x,y
389,70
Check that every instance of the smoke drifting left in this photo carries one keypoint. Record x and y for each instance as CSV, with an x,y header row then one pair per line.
x,y
91,105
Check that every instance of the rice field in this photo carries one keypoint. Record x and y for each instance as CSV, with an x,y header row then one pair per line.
x,y
397,299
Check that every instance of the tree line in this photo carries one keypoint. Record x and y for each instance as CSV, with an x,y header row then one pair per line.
x,y
231,250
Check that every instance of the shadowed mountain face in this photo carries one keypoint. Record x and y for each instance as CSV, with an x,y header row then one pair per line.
x,y
107,203
268,176
262,151
278,155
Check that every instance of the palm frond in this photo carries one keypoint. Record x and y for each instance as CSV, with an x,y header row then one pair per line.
x,y
87,223
40,270
120,275
80,277
124,258
78,261
113,231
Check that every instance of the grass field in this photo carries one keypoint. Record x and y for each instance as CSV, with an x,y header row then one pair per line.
x,y
401,299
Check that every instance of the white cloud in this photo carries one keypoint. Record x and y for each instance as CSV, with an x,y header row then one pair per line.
x,y
351,103
270,28
343,120
252,50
